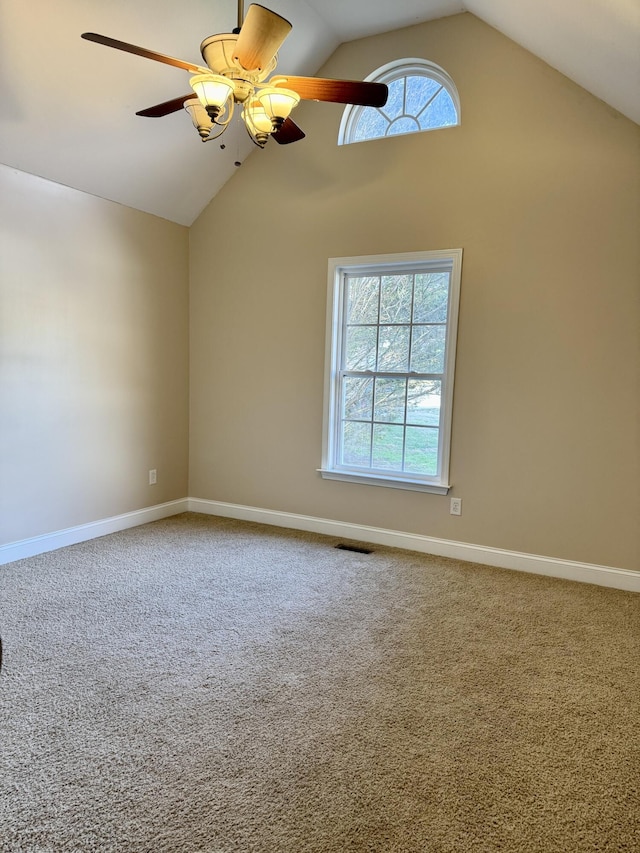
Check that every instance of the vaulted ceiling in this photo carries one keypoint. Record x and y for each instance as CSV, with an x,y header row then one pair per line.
x,y
67,106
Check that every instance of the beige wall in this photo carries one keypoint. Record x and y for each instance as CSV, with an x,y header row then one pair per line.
x,y
540,186
93,358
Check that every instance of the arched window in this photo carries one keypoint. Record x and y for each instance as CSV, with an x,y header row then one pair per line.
x,y
422,96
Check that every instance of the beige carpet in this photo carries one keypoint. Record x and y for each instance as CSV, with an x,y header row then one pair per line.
x,y
201,684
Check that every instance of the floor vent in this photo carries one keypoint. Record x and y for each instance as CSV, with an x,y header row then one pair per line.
x,y
355,548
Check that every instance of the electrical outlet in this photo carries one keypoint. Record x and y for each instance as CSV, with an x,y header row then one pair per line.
x,y
153,477
455,507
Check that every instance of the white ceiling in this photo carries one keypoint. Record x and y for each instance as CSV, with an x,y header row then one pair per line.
x,y
85,134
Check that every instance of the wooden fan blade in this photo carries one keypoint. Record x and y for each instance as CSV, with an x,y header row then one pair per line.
x,y
289,132
166,108
336,91
142,51
261,35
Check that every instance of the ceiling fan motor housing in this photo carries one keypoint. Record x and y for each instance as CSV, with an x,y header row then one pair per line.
x,y
219,52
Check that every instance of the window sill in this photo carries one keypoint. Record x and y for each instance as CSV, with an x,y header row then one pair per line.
x,y
381,480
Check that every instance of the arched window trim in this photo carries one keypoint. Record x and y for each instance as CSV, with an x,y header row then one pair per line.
x,y
395,71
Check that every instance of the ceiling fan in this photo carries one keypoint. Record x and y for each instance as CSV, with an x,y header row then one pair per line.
x,y
237,67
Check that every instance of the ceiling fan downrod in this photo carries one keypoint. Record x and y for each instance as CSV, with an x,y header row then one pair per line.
x,y
240,16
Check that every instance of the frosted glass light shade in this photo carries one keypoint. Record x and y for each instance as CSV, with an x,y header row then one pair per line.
x,y
258,123
278,102
256,118
212,90
199,116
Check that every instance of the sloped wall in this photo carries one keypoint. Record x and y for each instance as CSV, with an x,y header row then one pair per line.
x,y
540,187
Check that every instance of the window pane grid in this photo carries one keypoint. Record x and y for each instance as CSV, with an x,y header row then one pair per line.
x,y
368,374
388,421
422,97
429,102
421,346
361,452
381,340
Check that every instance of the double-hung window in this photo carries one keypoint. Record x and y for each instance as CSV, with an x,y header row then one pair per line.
x,y
391,340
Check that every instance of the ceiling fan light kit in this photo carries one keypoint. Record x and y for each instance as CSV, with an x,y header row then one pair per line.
x,y
278,103
213,91
237,72
199,116
258,123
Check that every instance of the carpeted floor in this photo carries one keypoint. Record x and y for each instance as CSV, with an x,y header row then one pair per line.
x,y
202,684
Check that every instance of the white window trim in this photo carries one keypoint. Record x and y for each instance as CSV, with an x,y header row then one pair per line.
x,y
368,264
387,74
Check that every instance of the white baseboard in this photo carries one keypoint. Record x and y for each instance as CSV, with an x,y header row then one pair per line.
x,y
92,530
566,569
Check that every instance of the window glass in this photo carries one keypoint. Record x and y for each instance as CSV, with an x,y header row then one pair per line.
x,y
389,398
441,112
420,92
422,97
